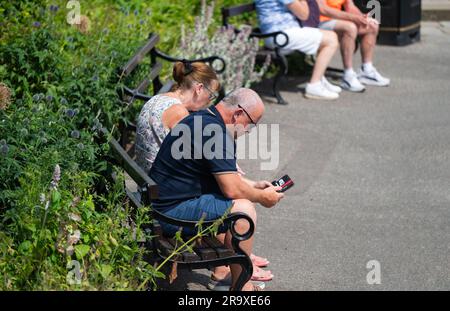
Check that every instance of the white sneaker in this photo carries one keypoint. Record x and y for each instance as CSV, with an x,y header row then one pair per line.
x,y
373,77
351,83
319,91
330,87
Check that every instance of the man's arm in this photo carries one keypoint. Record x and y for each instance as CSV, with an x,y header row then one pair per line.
x,y
299,8
262,184
233,186
350,7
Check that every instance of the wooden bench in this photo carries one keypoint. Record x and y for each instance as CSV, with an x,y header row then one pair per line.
x,y
208,252
129,95
280,39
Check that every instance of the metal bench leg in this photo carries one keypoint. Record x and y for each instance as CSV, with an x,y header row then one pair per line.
x,y
283,64
246,274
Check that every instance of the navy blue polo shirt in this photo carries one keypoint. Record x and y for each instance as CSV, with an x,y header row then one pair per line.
x,y
198,147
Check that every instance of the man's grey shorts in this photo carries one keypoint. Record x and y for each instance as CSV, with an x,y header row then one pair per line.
x,y
328,25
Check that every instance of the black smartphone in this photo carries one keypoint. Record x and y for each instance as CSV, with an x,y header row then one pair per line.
x,y
284,182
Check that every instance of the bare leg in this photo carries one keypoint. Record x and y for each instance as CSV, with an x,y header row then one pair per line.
x,y
247,207
347,32
327,48
368,42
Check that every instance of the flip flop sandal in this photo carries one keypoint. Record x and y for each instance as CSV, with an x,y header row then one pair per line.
x,y
259,261
261,278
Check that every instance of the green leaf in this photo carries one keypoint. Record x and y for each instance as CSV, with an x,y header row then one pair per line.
x,y
81,250
25,246
56,197
105,270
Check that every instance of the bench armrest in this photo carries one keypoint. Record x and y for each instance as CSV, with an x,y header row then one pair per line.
x,y
275,35
210,59
231,220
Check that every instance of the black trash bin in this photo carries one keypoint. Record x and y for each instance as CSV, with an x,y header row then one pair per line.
x,y
400,20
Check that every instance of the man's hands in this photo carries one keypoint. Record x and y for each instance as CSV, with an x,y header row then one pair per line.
x,y
234,186
364,21
262,184
270,196
359,20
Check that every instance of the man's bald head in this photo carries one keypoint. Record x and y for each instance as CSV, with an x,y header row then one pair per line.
x,y
241,110
248,100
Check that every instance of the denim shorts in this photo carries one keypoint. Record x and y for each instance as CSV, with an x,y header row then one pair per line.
x,y
211,206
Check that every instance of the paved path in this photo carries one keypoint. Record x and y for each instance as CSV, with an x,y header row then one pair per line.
x,y
373,180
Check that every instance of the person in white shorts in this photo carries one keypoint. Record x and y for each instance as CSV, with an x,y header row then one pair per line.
x,y
283,15
349,24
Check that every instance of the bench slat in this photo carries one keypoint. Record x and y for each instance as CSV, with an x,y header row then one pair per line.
x,y
166,87
203,249
167,249
221,250
238,10
155,71
187,255
137,58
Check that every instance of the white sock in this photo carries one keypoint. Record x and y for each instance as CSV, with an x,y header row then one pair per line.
x,y
349,72
368,66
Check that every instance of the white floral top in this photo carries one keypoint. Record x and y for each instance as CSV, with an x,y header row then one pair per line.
x,y
150,131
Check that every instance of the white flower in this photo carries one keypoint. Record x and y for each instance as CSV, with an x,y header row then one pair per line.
x,y
74,238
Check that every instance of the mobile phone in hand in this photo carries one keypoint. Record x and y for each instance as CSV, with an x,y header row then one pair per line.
x,y
284,182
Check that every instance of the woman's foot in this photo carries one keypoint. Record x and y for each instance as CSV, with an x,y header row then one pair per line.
x,y
249,286
258,275
261,275
259,261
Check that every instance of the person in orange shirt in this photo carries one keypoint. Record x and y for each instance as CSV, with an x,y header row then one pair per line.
x,y
348,22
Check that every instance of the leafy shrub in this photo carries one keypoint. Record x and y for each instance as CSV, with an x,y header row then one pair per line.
x,y
57,86
237,49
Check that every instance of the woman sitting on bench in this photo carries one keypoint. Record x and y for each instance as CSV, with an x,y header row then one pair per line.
x,y
196,86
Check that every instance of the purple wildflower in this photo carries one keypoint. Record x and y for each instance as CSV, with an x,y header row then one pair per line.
x,y
70,113
37,24
75,134
4,149
54,8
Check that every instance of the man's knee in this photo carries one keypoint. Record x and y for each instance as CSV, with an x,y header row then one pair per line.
x,y
330,38
375,28
350,29
244,206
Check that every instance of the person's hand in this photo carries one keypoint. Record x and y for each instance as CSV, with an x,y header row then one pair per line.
x,y
373,21
262,184
360,20
270,196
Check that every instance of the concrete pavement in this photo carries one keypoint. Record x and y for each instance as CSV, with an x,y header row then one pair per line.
x,y
372,175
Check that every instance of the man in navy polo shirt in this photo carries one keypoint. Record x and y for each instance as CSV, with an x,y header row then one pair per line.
x,y
195,168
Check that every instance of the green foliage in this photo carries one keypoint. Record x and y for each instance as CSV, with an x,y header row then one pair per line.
x,y
63,83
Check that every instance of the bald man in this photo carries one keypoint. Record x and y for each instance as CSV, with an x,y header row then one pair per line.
x,y
196,180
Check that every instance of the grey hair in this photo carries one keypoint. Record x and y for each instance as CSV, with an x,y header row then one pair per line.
x,y
242,96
